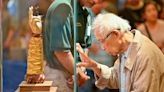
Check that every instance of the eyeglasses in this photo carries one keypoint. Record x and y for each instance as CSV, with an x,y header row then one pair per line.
x,y
107,36
103,40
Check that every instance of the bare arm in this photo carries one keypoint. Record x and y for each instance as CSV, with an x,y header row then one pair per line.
x,y
66,59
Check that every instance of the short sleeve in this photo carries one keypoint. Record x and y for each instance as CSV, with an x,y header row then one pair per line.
x,y
60,28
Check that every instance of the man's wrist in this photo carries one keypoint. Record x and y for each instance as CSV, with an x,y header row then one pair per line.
x,y
96,66
97,69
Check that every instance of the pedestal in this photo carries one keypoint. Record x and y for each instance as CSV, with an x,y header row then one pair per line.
x,y
40,87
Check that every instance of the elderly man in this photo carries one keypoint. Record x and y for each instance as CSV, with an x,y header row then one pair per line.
x,y
139,67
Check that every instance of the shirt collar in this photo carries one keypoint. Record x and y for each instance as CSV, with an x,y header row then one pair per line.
x,y
126,53
133,50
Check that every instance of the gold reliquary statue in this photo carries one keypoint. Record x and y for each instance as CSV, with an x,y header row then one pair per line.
x,y
35,59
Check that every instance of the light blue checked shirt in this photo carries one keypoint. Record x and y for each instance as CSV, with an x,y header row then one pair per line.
x,y
123,58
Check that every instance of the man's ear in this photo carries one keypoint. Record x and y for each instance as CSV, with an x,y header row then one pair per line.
x,y
116,33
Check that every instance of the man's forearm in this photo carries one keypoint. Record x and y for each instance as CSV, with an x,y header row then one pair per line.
x,y
66,59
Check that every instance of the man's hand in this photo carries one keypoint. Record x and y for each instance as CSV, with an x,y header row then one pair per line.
x,y
70,82
81,78
86,61
35,78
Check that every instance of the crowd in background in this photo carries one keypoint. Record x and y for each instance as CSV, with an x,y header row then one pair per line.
x,y
16,32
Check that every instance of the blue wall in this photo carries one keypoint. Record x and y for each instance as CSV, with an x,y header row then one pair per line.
x,y
13,74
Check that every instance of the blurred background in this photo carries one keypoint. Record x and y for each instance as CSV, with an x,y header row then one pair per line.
x,y
16,35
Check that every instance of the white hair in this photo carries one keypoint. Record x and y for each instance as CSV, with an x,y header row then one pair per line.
x,y
106,23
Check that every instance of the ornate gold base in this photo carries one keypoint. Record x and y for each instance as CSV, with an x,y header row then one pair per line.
x,y
46,86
